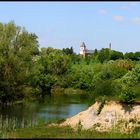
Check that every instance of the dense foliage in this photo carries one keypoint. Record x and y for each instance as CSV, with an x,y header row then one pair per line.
x,y
27,72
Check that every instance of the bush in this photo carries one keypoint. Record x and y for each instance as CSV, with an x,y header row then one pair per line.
x,y
111,71
82,77
104,87
127,96
102,103
132,77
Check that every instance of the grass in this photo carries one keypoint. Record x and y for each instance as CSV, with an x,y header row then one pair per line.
x,y
44,131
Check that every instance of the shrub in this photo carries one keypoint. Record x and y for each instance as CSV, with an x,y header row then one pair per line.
x,y
79,125
104,87
127,96
102,100
82,77
132,77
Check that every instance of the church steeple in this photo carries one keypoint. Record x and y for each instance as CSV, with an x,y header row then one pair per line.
x,y
110,46
83,45
82,49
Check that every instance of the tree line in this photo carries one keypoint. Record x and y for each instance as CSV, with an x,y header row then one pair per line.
x,y
29,73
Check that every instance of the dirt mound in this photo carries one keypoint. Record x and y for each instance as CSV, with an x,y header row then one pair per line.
x,y
112,115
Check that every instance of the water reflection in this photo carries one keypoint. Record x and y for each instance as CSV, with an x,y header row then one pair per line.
x,y
27,115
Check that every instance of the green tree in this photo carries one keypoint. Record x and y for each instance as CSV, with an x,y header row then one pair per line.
x,y
132,77
133,56
75,58
81,77
95,52
130,55
116,55
137,56
17,48
68,50
104,87
104,54
127,95
88,59
59,65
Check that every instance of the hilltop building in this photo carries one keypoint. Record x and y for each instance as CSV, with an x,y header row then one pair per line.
x,y
84,51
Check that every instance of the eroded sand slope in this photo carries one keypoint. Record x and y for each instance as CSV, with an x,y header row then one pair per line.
x,y
112,113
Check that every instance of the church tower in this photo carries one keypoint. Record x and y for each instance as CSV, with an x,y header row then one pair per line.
x,y
82,49
110,46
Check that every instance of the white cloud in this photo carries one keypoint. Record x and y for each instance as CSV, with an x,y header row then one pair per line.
x,y
136,20
103,11
125,7
118,18
133,3
129,6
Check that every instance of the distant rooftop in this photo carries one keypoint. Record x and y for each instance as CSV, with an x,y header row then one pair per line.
x,y
83,45
89,51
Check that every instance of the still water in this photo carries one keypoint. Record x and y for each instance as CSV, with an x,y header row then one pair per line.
x,y
29,114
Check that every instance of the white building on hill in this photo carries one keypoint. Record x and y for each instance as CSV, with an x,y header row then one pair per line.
x,y
84,51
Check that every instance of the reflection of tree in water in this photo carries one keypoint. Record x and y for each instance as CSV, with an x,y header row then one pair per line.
x,y
18,116
54,109
127,107
26,115
61,107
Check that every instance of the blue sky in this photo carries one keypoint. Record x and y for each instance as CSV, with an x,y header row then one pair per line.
x,y
66,24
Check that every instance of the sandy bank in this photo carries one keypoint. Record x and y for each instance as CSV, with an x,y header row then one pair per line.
x,y
113,115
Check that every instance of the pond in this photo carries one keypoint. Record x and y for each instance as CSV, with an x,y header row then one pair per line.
x,y
29,114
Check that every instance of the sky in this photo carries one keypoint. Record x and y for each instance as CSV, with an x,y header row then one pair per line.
x,y
65,24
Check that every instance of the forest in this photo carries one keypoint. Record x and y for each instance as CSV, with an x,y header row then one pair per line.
x,y
29,71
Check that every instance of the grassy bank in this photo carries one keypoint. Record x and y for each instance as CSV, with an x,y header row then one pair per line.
x,y
43,131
